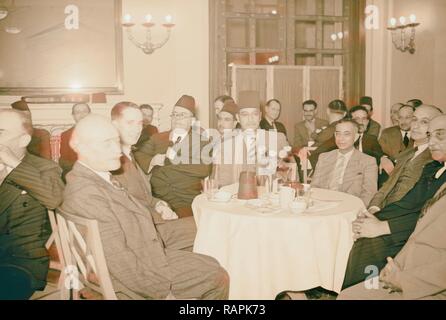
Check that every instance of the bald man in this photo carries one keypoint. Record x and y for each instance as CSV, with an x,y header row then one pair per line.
x,y
67,155
418,271
137,258
382,232
29,185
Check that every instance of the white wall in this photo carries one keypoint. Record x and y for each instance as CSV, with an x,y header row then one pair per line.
x,y
180,67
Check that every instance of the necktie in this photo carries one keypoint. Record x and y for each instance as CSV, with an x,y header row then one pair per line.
x,y
406,140
337,173
358,142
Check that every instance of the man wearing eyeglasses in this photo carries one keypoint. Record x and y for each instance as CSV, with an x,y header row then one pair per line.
x,y
174,160
417,226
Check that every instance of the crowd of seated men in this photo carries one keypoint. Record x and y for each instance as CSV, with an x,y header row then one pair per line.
x,y
139,184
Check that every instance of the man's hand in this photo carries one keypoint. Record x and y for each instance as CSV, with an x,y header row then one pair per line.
x,y
8,158
390,276
374,210
164,210
303,154
386,165
369,226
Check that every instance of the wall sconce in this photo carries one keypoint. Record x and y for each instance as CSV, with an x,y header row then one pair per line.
x,y
148,47
406,41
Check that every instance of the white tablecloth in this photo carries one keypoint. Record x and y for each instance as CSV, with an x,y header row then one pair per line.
x,y
267,254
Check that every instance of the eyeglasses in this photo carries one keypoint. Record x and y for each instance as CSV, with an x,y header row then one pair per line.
x,y
438,134
180,116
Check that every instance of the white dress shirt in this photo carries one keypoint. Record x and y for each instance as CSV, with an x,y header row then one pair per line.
x,y
104,175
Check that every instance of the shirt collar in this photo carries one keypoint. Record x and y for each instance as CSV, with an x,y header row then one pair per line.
x,y
9,169
403,133
347,155
104,175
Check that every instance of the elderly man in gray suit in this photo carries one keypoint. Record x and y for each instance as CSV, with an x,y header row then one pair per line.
x,y
347,169
137,258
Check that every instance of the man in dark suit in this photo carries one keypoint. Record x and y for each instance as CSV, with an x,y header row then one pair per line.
x,y
374,128
147,130
382,234
175,161
40,144
272,113
28,186
305,130
67,155
179,234
336,111
138,260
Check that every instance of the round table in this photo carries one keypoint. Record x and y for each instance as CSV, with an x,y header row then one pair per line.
x,y
266,254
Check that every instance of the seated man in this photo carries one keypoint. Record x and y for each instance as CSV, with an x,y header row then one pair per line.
x,y
227,119
40,140
137,259
175,161
384,234
305,130
28,186
246,149
410,163
418,271
374,128
219,103
394,113
347,169
395,140
336,111
177,234
67,155
147,130
272,113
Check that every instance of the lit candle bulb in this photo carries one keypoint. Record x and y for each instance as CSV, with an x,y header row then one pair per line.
x,y
340,35
413,18
127,18
168,19
148,18
334,37
393,22
403,20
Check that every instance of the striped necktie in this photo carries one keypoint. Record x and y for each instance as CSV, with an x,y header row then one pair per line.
x,y
337,173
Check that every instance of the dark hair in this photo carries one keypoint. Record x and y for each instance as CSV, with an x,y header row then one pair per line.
x,y
223,98
312,102
347,120
338,106
416,102
117,110
406,106
146,106
357,108
80,104
367,101
271,101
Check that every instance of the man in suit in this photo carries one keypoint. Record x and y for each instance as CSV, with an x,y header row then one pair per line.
x,y
136,256
394,113
178,234
250,147
272,113
395,140
383,235
374,128
305,130
40,144
148,130
67,155
227,118
219,103
174,158
29,185
347,169
336,111
410,163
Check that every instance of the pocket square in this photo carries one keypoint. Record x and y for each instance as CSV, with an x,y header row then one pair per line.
x,y
23,192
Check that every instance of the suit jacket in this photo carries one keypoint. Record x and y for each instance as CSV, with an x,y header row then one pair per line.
x,y
360,177
231,158
391,142
370,146
177,184
146,133
423,259
264,124
67,155
133,249
26,193
40,144
325,134
374,128
403,177
301,136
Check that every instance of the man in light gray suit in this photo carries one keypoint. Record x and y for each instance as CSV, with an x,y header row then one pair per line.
x,y
137,258
347,169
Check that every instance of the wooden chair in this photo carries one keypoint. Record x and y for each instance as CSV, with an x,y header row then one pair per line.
x,y
84,256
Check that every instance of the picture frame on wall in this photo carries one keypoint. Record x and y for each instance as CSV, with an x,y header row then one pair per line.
x,y
61,46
